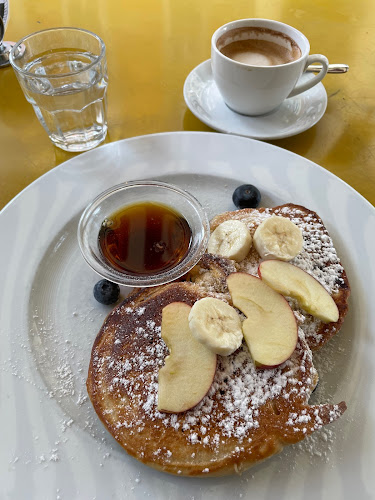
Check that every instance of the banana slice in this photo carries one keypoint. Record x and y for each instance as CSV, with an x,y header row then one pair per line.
x,y
217,325
231,239
278,238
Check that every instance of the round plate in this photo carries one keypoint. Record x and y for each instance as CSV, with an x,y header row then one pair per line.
x,y
295,115
52,443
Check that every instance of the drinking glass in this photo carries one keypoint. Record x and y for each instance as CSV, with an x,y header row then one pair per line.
x,y
63,74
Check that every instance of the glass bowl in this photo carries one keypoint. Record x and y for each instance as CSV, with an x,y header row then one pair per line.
x,y
129,193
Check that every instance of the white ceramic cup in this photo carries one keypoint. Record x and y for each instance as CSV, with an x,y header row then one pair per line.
x,y
256,90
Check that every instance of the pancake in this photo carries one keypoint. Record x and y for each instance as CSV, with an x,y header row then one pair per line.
x,y
248,414
318,257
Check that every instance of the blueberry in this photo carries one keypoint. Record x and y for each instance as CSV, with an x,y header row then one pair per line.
x,y
106,292
246,196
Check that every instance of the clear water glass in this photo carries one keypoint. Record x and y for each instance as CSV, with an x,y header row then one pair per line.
x,y
63,74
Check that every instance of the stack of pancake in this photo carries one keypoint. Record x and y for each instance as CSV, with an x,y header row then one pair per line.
x,y
248,414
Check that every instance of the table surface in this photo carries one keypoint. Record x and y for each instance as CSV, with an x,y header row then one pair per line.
x,y
152,45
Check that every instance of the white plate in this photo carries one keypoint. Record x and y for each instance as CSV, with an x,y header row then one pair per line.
x,y
295,115
52,444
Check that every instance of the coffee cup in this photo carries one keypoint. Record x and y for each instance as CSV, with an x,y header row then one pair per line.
x,y
258,63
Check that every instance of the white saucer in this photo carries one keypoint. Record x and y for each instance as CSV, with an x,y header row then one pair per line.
x,y
294,116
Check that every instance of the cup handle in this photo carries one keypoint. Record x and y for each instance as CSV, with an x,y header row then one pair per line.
x,y
301,87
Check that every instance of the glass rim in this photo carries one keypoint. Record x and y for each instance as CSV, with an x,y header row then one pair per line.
x,y
13,53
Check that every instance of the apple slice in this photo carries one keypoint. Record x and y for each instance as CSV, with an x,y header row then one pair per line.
x,y
189,369
270,330
292,281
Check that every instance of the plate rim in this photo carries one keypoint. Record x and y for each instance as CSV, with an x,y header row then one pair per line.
x,y
66,163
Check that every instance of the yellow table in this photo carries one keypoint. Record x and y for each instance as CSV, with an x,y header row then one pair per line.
x,y
151,47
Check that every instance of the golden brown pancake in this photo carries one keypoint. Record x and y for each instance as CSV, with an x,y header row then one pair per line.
x,y
248,414
318,257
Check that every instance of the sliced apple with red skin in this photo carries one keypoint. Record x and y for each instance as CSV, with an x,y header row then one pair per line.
x,y
270,329
189,369
292,281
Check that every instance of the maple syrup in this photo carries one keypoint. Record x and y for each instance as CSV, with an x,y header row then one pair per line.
x,y
144,238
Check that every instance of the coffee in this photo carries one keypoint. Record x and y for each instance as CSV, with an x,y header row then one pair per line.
x,y
272,71
258,46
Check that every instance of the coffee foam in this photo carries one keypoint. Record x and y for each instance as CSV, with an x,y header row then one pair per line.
x,y
278,48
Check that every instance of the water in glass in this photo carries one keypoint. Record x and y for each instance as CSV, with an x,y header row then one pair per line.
x,y
71,106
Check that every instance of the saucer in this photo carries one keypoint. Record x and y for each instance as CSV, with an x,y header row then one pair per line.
x,y
295,115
